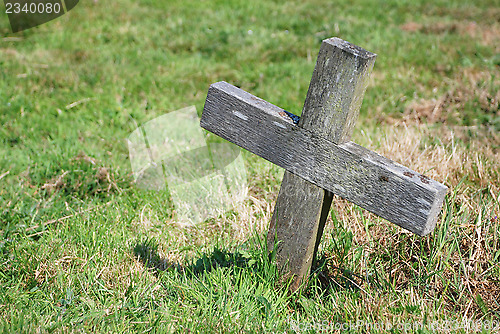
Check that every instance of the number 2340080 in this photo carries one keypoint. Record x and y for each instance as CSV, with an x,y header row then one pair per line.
x,y
32,8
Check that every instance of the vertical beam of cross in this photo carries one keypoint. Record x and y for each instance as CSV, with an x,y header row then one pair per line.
x,y
331,109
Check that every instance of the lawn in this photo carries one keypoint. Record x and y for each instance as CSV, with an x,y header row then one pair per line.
x,y
83,249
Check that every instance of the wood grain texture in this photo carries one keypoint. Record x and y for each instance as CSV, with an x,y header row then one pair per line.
x,y
365,178
336,90
298,217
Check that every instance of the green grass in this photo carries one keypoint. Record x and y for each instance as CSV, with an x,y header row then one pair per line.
x,y
83,249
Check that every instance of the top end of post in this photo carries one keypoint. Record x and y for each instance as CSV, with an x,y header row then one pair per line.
x,y
350,48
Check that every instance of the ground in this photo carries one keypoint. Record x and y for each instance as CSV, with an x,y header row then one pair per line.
x,y
83,249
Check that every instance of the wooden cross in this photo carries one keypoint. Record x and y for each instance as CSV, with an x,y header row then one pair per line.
x,y
318,157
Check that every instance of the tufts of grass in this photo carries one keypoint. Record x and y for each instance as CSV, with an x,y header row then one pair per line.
x,y
82,249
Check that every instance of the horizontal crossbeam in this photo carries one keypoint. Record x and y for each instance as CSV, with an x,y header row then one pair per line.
x,y
375,183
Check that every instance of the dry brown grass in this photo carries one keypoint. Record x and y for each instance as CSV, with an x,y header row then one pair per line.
x,y
471,88
487,34
472,237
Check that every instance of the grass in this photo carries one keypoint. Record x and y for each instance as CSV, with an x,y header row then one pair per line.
x,y
83,249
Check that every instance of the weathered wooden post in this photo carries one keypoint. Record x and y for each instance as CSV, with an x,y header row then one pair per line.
x,y
318,157
330,110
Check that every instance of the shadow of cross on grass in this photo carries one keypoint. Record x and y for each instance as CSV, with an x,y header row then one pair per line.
x,y
319,158
146,251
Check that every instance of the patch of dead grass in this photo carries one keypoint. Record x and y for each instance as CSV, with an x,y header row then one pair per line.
x,y
487,34
86,178
438,154
474,87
